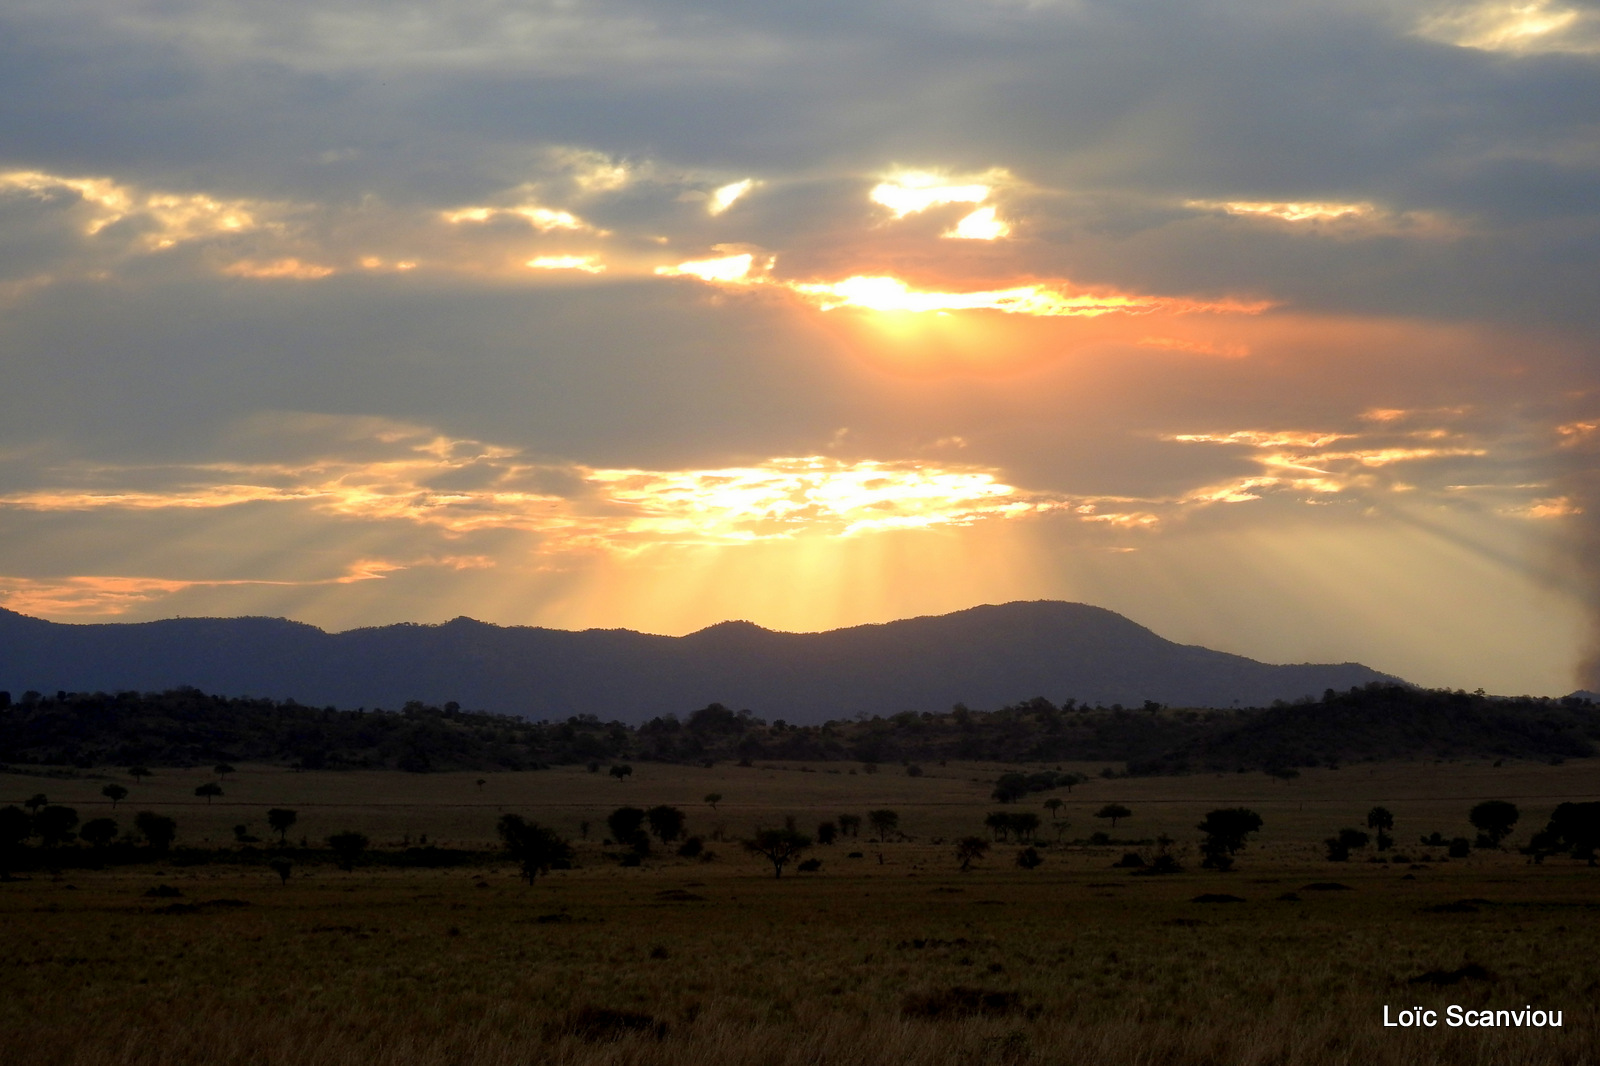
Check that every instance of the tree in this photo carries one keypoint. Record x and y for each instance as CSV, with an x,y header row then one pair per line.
x,y
850,824
115,793
1053,805
280,820
713,798
626,825
347,847
826,833
139,772
222,770
1340,847
1067,780
621,770
1010,788
1113,811
779,846
480,783
208,790
1573,828
535,848
1381,820
15,827
157,829
969,850
36,801
1024,824
883,822
55,825
999,823
1226,829
1494,819
666,823
281,867
1029,859
99,832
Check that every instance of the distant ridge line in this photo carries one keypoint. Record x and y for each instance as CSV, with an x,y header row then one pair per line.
x,y
984,656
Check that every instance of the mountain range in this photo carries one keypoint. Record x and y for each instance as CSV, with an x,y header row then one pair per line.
x,y
984,657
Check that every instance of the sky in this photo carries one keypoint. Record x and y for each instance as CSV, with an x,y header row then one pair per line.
x,y
1274,326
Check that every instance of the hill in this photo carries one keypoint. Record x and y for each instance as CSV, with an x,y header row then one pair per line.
x,y
986,656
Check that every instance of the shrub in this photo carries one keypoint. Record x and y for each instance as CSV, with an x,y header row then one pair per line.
x,y
1029,859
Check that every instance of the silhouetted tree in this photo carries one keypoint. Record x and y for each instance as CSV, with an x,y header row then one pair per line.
x,y
36,801
969,850
99,832
883,822
1573,828
139,773
826,832
347,847
626,825
666,823
1225,831
157,829
1113,811
1010,788
55,825
778,846
1494,819
480,783
281,867
1340,846
713,798
115,793
1029,859
536,848
222,770
15,828
1024,824
1067,780
208,790
620,771
281,820
850,824
1053,805
1382,821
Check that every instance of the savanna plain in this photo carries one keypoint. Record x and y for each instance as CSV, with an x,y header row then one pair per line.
x,y
885,953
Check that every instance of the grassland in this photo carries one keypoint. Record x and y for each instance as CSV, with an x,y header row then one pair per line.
x,y
903,960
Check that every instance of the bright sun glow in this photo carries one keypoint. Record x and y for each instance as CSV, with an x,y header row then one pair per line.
x,y
728,269
588,264
914,191
1289,212
894,295
981,225
728,195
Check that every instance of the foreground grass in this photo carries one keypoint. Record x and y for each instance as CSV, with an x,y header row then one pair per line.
x,y
717,963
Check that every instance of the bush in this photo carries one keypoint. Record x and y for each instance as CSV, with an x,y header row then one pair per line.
x,y
1460,848
691,848
1029,859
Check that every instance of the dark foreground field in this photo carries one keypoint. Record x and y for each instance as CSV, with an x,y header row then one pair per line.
x,y
908,961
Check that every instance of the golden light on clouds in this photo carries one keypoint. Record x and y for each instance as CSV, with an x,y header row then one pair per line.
x,y
287,268
914,191
163,219
726,269
893,295
1289,212
587,264
981,225
543,219
725,197
1498,26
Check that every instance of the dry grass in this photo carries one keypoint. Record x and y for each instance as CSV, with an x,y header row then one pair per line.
x,y
1090,964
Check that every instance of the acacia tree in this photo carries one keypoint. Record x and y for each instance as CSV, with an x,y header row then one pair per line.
x,y
1494,819
883,822
779,846
208,790
969,850
281,819
99,832
621,771
712,799
666,823
535,848
347,847
1113,811
1053,805
115,793
158,829
55,825
850,824
15,827
626,825
36,801
1226,829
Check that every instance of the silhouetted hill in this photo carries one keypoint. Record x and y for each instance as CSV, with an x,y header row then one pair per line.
x,y
986,657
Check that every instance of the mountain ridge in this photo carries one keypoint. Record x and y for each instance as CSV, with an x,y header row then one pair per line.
x,y
986,655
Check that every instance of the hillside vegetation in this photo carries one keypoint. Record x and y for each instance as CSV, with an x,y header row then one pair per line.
x,y
186,727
